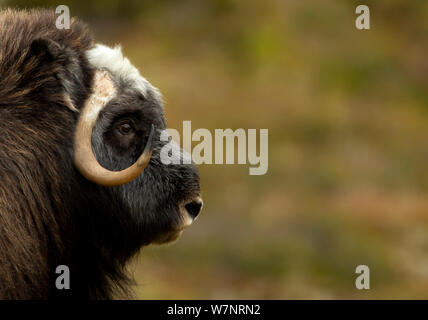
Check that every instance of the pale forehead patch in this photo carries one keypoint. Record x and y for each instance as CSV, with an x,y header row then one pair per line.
x,y
103,90
103,84
112,59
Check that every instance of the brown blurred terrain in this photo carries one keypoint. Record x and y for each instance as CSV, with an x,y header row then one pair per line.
x,y
347,113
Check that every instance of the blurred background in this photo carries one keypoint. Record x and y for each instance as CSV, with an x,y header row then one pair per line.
x,y
347,113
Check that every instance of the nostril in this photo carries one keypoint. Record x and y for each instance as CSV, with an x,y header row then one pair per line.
x,y
194,207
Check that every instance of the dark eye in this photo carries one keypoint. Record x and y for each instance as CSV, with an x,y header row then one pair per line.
x,y
125,128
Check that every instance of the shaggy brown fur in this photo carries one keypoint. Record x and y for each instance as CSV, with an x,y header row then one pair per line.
x,y
34,124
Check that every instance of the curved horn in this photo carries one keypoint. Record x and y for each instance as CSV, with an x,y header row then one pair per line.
x,y
84,158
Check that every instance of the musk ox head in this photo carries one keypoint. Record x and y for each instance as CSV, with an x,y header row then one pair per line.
x,y
117,145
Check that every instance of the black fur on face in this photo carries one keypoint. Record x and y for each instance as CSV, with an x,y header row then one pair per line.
x,y
151,203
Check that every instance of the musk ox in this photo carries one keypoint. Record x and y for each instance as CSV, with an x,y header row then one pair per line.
x,y
81,180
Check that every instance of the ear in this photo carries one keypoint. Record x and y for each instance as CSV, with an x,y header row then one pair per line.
x,y
43,47
65,63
